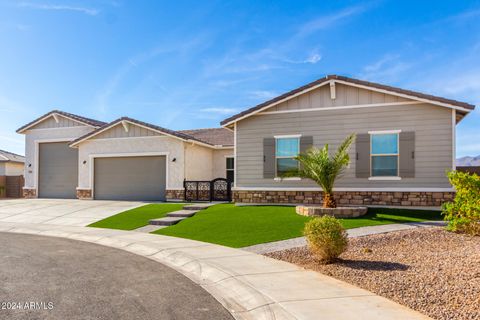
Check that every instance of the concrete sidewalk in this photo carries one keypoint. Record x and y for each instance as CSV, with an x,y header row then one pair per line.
x,y
352,233
250,286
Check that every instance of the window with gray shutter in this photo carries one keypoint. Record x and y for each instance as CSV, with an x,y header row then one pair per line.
x,y
407,154
269,158
362,149
384,151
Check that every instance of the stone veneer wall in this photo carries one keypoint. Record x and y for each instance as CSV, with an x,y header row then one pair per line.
x,y
346,197
29,193
175,194
84,194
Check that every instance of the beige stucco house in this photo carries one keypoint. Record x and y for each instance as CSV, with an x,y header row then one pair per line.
x,y
69,156
11,164
405,143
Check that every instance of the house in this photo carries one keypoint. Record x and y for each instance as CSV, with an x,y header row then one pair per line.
x,y
69,156
405,143
11,164
11,174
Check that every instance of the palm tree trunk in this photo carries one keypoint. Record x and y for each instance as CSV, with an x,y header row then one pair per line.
x,y
328,200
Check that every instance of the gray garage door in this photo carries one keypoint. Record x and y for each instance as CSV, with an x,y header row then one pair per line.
x,y
58,170
130,178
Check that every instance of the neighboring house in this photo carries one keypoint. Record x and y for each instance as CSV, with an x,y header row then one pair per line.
x,y
69,156
11,164
405,143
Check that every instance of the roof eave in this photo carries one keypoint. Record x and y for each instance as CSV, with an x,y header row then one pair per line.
x,y
347,81
181,137
26,127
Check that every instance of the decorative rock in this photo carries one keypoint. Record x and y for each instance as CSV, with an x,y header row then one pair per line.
x,y
339,212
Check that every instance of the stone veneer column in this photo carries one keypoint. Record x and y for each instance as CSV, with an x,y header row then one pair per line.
x,y
29,193
84,194
175,194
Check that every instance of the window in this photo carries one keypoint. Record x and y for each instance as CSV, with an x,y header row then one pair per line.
x,y
230,165
384,154
286,149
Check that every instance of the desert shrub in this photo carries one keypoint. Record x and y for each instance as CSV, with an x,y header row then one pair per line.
x,y
463,214
326,238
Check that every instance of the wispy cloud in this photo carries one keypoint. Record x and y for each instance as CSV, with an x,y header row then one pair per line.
x,y
262,94
312,58
466,15
219,111
102,99
330,20
59,7
387,68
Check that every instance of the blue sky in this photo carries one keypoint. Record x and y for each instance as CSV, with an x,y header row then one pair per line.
x,y
190,64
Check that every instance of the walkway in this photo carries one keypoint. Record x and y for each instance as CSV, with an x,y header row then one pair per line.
x,y
175,217
250,286
352,233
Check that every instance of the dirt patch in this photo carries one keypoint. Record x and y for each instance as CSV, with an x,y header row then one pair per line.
x,y
427,269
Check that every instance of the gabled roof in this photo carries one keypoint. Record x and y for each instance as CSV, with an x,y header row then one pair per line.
x,y
347,80
6,156
176,134
214,136
84,120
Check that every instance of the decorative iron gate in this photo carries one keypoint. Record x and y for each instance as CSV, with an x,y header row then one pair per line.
x,y
216,190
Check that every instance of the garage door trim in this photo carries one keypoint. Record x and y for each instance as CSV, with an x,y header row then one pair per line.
x,y
37,155
92,158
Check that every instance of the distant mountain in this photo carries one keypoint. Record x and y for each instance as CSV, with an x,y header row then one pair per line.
x,y
468,161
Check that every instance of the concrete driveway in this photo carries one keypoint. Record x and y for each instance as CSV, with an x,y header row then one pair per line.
x,y
67,212
79,280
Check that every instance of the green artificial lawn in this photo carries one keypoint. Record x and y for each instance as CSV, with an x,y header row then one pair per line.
x,y
138,217
243,226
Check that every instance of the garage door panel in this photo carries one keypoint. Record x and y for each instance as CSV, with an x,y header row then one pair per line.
x,y
130,178
58,170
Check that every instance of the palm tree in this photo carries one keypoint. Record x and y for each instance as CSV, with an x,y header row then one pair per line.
x,y
318,165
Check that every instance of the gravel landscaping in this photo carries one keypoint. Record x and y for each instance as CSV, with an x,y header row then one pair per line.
x,y
430,270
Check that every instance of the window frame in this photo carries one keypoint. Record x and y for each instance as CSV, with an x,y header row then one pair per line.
x,y
227,169
385,132
293,136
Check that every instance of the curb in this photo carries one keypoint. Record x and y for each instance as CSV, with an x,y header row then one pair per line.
x,y
248,285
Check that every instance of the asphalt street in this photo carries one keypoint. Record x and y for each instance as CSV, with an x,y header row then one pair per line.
x,y
54,278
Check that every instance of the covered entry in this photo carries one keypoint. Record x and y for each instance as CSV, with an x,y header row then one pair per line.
x,y
57,170
130,178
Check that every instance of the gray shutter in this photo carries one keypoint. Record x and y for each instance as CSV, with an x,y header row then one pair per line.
x,y
268,158
407,154
306,142
362,149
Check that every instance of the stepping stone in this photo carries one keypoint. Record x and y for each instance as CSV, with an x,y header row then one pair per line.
x,y
149,228
182,213
167,221
199,206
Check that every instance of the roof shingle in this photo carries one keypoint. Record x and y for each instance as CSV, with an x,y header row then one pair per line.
x,y
208,136
353,81
88,121
214,136
10,156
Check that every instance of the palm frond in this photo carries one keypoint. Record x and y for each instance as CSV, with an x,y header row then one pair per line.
x,y
316,164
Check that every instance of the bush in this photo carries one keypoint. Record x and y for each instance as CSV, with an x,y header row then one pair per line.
x,y
463,214
326,238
